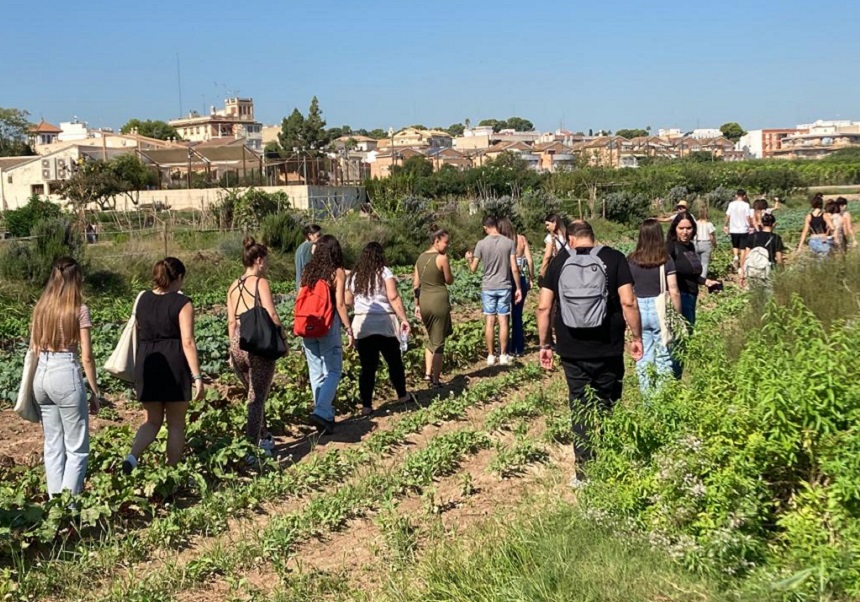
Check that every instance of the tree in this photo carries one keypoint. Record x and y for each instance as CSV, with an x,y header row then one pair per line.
x,y
456,129
519,124
132,176
93,182
732,131
314,127
631,133
418,126
416,166
377,134
14,133
151,128
494,123
292,131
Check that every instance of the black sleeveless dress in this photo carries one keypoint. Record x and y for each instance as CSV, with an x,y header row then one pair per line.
x,y
161,370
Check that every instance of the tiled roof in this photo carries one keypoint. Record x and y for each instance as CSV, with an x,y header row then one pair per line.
x,y
46,128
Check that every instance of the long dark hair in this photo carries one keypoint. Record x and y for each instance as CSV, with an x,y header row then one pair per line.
x,y
650,247
672,234
557,223
367,274
506,228
326,260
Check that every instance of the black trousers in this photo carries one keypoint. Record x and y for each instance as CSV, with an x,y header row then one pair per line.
x,y
369,349
604,377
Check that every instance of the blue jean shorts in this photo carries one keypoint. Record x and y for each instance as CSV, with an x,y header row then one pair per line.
x,y
496,302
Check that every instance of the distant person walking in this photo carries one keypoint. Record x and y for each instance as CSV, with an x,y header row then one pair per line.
x,y
304,251
166,364
738,225
706,241
555,240
325,353
526,267
378,322
759,208
60,326
838,234
817,227
255,372
653,272
501,274
430,279
594,289
763,252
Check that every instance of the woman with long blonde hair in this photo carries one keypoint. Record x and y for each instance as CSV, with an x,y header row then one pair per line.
x,y
61,326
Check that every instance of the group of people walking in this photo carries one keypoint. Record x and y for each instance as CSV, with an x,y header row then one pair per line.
x,y
590,295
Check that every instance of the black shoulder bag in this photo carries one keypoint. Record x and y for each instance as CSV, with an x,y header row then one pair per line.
x,y
258,334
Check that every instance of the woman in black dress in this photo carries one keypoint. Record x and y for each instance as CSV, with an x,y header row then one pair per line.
x,y
166,362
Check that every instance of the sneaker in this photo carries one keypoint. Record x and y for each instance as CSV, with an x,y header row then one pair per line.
x,y
505,360
267,445
491,360
129,464
323,426
251,460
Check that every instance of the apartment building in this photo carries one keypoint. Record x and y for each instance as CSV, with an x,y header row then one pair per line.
x,y
235,120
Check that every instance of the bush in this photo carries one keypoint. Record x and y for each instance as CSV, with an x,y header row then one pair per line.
x,y
748,466
283,231
626,207
55,237
20,222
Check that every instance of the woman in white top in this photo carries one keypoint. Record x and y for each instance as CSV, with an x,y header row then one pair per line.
x,y
706,241
555,241
378,323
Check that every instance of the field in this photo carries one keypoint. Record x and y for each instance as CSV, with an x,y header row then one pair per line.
x,y
724,488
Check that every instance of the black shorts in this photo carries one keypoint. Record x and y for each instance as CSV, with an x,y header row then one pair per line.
x,y
739,241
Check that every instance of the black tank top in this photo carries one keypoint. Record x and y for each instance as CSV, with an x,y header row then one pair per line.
x,y
817,223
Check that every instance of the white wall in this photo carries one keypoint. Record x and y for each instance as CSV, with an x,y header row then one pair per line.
x,y
752,143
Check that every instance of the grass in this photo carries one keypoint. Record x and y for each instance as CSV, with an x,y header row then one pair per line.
x,y
547,553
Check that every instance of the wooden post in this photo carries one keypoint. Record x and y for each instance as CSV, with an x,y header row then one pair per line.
x,y
164,237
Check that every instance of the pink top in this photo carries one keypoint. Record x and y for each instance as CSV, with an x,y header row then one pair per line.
x,y
84,321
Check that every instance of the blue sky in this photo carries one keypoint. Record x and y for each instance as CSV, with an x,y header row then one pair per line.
x,y
610,64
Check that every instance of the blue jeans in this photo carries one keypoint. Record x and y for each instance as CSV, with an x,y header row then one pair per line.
x,y
688,310
59,390
325,365
656,362
517,344
819,246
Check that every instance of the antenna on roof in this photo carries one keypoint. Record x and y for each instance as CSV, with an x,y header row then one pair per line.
x,y
179,83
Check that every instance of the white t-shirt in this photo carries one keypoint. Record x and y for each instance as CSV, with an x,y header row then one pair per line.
x,y
739,213
377,302
559,240
704,231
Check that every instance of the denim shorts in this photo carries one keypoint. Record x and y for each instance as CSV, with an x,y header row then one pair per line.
x,y
819,246
496,302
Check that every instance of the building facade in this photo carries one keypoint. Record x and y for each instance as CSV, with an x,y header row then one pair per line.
x,y
235,120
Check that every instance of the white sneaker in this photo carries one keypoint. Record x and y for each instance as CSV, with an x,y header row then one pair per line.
x,y
505,360
491,360
267,445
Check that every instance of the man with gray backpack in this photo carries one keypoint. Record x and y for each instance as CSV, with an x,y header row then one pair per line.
x,y
763,250
596,303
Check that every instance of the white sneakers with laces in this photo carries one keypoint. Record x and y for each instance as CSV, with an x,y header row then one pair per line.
x,y
505,360
491,360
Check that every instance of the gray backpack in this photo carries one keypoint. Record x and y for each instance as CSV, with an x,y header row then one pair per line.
x,y
583,291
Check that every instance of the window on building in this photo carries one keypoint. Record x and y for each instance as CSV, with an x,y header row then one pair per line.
x,y
37,189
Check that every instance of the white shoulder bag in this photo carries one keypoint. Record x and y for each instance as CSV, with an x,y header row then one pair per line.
x,y
664,309
26,406
121,362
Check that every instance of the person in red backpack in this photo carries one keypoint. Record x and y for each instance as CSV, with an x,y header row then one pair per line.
x,y
320,314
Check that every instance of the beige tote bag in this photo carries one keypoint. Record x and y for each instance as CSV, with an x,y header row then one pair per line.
x,y
121,362
26,406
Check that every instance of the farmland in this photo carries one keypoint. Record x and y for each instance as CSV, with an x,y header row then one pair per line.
x,y
464,494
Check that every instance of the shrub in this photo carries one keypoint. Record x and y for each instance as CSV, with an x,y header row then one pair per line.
x,y
626,207
20,222
282,231
55,237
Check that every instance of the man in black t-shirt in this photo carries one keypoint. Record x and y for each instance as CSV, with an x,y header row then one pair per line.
x,y
590,356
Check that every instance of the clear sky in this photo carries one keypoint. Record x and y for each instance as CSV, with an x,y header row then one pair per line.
x,y
598,64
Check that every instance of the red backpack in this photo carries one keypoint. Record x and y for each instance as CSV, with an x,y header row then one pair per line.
x,y
314,312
